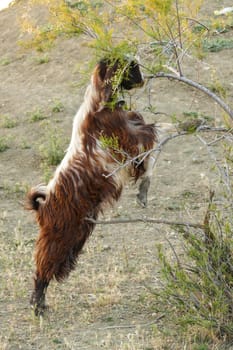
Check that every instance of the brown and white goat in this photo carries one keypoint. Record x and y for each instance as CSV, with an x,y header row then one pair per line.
x,y
89,176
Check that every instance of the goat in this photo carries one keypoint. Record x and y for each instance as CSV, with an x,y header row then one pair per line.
x,y
89,176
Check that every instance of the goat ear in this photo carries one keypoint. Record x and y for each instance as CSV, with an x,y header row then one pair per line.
x,y
102,69
102,78
107,69
99,74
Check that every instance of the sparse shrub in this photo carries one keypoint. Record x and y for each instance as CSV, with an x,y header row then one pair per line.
x,y
218,88
217,44
57,107
197,115
7,122
24,144
36,115
4,61
3,144
17,188
42,60
199,291
52,152
47,171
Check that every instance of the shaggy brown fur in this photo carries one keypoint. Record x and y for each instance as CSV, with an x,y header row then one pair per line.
x,y
87,178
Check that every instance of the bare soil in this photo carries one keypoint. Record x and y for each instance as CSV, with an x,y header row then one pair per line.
x,y
106,303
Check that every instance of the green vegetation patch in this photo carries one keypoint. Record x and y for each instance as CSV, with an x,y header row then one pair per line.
x,y
7,122
54,145
217,44
4,61
199,289
3,144
36,115
57,107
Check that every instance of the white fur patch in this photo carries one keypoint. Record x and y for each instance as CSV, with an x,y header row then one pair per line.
x,y
75,145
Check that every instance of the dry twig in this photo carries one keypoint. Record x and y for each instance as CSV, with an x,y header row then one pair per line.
x,y
145,220
195,85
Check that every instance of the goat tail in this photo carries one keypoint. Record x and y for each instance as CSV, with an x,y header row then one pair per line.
x,y
35,197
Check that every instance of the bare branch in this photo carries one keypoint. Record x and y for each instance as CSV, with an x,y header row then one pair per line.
x,y
225,136
174,45
223,170
133,325
179,24
145,220
195,85
158,149
198,22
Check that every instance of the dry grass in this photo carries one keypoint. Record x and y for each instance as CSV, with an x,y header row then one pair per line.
x,y
97,306
105,304
107,301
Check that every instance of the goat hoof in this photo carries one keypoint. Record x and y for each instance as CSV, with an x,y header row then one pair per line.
x,y
39,310
38,306
142,200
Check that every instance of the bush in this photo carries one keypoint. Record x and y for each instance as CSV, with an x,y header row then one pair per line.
x,y
200,290
3,144
53,151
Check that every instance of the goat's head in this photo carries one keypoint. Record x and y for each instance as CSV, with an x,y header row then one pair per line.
x,y
111,76
132,76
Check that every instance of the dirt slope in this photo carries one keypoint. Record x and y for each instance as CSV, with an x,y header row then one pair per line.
x,y
110,285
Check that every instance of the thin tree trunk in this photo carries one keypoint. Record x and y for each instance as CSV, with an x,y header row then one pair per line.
x,y
196,85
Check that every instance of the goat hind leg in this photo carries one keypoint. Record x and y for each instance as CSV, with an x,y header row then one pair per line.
x,y
37,300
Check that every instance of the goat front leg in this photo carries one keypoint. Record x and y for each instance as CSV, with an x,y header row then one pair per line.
x,y
146,180
143,191
37,300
